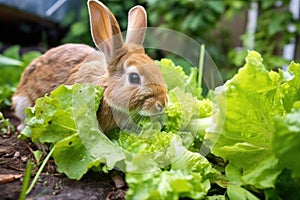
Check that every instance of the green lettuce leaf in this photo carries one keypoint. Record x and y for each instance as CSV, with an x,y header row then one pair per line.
x,y
174,76
67,120
286,141
189,176
183,107
237,193
290,90
153,147
248,103
50,120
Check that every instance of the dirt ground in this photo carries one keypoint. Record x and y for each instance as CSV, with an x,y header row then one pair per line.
x,y
14,154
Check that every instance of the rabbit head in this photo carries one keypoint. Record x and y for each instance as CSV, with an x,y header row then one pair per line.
x,y
133,81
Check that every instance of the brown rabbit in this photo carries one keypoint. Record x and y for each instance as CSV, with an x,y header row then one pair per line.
x,y
131,79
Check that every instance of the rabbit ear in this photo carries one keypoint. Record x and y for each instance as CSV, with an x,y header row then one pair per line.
x,y
105,29
137,24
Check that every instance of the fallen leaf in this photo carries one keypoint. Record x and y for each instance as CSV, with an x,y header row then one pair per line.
x,y
5,178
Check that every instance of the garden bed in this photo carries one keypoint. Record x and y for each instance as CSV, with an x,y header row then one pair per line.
x,y
14,154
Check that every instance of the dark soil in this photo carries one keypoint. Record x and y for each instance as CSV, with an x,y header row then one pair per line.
x,y
14,154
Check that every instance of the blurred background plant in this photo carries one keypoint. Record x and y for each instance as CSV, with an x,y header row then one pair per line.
x,y
223,26
276,27
12,65
220,25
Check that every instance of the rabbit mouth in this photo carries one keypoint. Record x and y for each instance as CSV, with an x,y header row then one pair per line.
x,y
152,109
148,114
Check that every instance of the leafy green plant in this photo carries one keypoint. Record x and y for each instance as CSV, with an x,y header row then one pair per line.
x,y
261,131
259,139
5,125
67,120
12,64
197,19
189,17
272,31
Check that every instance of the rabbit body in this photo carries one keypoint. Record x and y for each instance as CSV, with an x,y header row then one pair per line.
x,y
60,66
131,80
57,66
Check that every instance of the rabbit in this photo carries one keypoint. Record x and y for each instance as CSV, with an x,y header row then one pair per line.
x,y
131,80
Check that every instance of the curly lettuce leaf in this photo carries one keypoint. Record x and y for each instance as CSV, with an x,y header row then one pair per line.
x,y
153,147
189,176
205,108
67,119
188,116
173,116
50,120
174,76
290,90
235,193
286,141
248,103
182,108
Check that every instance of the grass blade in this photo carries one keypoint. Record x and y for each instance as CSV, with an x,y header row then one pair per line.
x,y
26,180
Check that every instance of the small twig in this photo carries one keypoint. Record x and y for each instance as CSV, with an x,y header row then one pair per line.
x,y
29,148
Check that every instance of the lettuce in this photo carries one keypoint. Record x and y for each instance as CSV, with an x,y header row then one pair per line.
x,y
257,128
187,111
158,166
175,77
189,176
286,141
290,90
67,119
253,125
181,109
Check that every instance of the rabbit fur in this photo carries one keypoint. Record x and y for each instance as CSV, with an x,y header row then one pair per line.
x,y
131,79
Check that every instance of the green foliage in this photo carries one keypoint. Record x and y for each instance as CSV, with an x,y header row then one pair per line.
x,y
260,136
67,120
12,64
175,77
188,177
189,17
5,125
184,93
197,19
80,30
204,22
272,32
64,120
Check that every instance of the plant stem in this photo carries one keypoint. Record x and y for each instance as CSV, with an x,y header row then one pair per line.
x,y
201,63
39,171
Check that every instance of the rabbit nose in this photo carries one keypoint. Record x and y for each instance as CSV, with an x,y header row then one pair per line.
x,y
159,107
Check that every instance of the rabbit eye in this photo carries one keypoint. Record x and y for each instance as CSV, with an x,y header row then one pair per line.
x,y
134,78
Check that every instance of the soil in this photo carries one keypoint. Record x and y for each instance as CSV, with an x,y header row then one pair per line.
x,y
14,154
